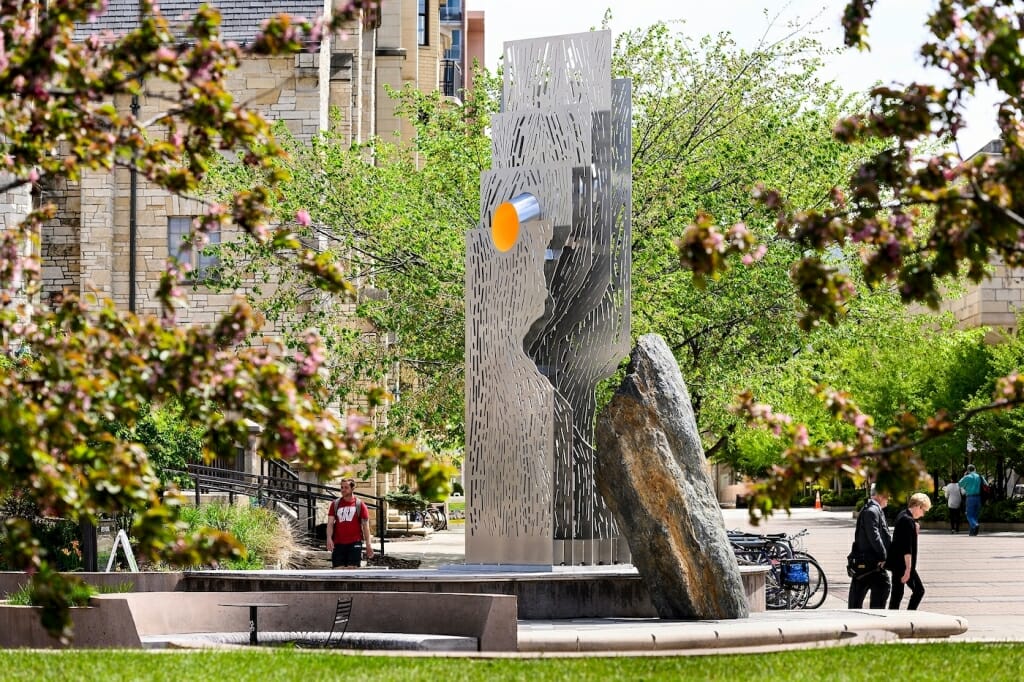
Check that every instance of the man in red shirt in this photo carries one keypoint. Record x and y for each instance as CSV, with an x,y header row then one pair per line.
x,y
348,526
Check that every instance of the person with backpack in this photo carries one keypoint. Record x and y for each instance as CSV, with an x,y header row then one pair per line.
x,y
971,485
348,527
871,544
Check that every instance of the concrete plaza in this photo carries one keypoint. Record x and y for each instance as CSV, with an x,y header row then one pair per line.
x,y
977,578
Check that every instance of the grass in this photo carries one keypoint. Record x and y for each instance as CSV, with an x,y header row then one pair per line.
x,y
942,662
23,596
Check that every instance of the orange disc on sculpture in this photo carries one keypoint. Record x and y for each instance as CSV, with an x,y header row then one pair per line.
x,y
505,227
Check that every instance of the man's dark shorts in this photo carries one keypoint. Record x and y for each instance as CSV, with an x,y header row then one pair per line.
x,y
347,555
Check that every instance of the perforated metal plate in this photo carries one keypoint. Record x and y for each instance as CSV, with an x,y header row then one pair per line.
x,y
563,136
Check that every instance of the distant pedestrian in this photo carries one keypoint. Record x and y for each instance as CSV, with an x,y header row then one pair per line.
x,y
348,526
970,486
902,560
871,543
955,501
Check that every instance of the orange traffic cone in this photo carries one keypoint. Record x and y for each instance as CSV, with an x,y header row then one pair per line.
x,y
817,500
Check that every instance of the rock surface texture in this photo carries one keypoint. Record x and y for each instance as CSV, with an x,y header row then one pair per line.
x,y
652,473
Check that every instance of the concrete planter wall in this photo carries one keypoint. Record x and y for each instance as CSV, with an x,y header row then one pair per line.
x,y
110,627
146,581
986,526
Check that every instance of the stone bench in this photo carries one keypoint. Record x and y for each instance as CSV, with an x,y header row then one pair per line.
x,y
490,619
125,620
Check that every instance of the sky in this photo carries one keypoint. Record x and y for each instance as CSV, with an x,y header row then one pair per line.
x,y
895,35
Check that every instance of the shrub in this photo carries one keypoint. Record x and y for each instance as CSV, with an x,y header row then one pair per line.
x,y
57,537
1003,511
405,500
268,539
1010,511
938,512
848,497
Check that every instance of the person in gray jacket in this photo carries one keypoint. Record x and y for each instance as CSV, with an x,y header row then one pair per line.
x,y
872,542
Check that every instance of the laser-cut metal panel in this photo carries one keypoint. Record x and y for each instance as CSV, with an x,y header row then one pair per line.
x,y
586,327
558,70
510,406
540,137
564,136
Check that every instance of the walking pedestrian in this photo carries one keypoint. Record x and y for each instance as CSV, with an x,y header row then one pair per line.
x,y
871,544
348,527
954,500
902,560
970,486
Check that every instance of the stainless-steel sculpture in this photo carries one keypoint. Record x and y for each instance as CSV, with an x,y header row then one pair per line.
x,y
547,305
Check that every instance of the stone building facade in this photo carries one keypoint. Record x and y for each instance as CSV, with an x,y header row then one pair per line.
x,y
997,301
86,249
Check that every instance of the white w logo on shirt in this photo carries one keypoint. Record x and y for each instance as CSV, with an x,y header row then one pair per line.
x,y
347,513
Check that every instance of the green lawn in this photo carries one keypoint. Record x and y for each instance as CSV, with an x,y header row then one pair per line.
x,y
942,662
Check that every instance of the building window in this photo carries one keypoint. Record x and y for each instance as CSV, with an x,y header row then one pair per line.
x,y
422,25
202,261
455,51
451,10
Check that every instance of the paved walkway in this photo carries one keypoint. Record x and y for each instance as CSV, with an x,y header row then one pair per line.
x,y
977,579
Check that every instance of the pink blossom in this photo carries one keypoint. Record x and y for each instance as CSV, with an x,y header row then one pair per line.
x,y
302,217
713,242
354,425
289,447
165,54
755,256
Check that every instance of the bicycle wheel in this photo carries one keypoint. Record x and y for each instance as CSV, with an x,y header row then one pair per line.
x,y
439,520
780,597
817,586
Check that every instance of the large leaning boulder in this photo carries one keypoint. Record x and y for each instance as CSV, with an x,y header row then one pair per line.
x,y
651,471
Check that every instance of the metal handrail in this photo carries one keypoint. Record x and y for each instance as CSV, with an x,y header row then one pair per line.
x,y
277,469
295,493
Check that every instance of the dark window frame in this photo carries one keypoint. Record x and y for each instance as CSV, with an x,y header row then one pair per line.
x,y
423,23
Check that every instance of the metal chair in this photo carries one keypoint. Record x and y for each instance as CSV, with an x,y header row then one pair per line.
x,y
342,613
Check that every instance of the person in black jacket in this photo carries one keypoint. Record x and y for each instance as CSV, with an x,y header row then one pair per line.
x,y
871,541
902,559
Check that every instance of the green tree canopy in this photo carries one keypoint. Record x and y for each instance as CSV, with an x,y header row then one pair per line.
x,y
915,216
395,215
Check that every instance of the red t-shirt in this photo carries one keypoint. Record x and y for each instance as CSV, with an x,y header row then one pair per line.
x,y
347,527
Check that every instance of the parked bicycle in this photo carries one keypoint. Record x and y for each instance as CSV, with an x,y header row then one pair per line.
x,y
795,580
435,518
